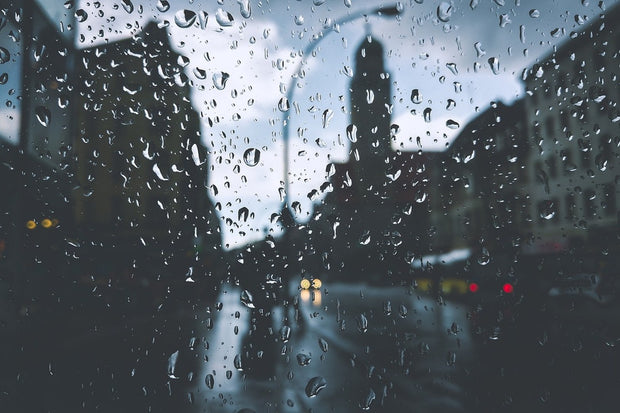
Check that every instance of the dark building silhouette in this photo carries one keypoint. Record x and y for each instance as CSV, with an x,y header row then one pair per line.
x,y
377,211
481,196
140,164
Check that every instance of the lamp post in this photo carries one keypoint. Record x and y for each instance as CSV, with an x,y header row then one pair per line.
x,y
388,11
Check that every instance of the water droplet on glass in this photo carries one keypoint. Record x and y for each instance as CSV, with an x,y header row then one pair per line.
x,y
548,210
323,344
243,213
451,104
452,124
158,173
220,79
370,96
328,114
352,133
299,20
362,323
43,115
348,71
534,13
127,5
251,156
444,11
402,311
387,308
285,334
283,104
5,56
203,19
4,78
237,362
247,299
416,96
484,258
244,8
184,18
172,365
303,359
224,18
453,68
81,15
494,63
315,385
427,115
368,399
163,5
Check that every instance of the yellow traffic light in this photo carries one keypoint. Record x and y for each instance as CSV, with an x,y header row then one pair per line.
x,y
46,223
31,224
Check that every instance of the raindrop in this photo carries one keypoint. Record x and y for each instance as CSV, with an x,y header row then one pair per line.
x,y
368,399
365,238
323,344
534,13
228,374
444,11
484,258
348,71
402,311
243,213
244,8
81,15
318,2
303,359
283,104
387,308
202,74
416,96
494,63
285,334
427,115
203,18
370,96
184,18
251,156
182,60
315,385
299,20
43,115
224,18
452,124
158,172
127,5
172,365
362,323
4,78
352,133
500,2
479,51
451,104
163,5
548,210
452,67
237,362
247,299
328,114
220,79
504,19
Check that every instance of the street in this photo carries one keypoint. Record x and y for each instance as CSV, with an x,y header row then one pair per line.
x,y
350,347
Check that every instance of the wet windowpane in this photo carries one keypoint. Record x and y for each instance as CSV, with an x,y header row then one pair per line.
x,y
300,206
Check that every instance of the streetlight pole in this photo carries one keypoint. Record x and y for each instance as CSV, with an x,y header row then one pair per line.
x,y
388,11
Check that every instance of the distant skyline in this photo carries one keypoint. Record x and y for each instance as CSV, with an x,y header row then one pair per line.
x,y
259,52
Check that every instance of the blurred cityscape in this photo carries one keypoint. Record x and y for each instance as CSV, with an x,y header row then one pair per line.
x,y
106,214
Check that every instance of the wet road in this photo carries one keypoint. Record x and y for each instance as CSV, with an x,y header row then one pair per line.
x,y
345,348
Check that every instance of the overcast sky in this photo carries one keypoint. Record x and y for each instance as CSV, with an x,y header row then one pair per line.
x,y
429,47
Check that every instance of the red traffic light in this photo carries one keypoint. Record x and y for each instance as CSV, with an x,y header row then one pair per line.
x,y
508,288
473,287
